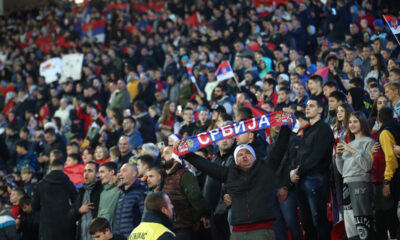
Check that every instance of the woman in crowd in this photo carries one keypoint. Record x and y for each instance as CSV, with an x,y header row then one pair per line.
x,y
354,162
340,132
378,68
166,122
378,104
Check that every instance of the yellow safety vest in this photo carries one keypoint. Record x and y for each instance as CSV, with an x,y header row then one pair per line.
x,y
148,231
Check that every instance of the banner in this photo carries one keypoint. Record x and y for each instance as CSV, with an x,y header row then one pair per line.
x,y
71,66
201,140
51,69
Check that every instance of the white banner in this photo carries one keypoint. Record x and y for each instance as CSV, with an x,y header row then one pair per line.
x,y
71,66
51,69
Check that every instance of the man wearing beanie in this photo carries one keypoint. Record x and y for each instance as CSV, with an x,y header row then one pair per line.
x,y
250,186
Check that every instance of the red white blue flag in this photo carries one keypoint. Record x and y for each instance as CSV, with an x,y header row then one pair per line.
x,y
224,71
190,74
95,29
393,22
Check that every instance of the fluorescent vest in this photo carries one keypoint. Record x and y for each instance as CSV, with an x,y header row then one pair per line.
x,y
148,231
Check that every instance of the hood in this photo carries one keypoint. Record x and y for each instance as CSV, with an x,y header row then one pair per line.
x,y
268,64
56,177
357,96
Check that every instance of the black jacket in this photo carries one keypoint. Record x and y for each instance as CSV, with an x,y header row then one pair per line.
x,y
253,191
52,197
282,178
146,127
212,187
30,226
315,149
94,198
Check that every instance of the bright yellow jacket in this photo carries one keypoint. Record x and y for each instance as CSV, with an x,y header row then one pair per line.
x,y
387,142
148,231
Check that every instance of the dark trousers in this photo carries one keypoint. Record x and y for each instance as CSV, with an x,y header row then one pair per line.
x,y
220,227
385,214
312,194
184,234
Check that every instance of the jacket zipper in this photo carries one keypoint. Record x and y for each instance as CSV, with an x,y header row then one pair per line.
x,y
247,196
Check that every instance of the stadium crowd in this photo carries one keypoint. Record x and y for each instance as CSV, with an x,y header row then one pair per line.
x,y
89,158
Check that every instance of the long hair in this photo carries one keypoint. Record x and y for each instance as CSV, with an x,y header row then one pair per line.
x,y
364,126
345,123
381,67
374,109
165,115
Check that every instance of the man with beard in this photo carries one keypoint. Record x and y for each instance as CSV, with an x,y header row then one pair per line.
x,y
130,203
86,204
213,190
155,179
222,99
185,194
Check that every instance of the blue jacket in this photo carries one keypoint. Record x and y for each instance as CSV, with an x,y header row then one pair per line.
x,y
129,210
27,160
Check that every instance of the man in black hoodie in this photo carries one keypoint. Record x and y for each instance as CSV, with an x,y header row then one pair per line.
x,y
52,197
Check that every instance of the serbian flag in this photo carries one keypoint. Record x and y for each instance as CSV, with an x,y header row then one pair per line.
x,y
192,78
87,10
258,112
323,73
190,74
123,6
194,19
201,140
224,71
393,22
95,29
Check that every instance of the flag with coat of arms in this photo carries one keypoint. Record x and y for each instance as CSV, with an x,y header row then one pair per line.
x,y
393,22
224,71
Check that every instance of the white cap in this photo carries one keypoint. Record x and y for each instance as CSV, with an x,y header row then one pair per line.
x,y
243,146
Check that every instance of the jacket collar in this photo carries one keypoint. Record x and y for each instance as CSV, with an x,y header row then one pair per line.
x,y
156,217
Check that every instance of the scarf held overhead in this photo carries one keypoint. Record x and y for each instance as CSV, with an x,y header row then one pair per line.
x,y
201,140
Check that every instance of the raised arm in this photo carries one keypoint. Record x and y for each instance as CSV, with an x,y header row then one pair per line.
x,y
218,172
275,156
